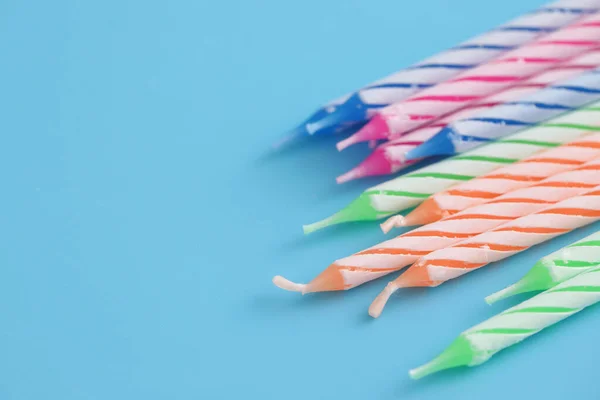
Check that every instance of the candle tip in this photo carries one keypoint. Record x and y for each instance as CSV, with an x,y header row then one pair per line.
x,y
458,354
438,145
349,141
286,284
350,175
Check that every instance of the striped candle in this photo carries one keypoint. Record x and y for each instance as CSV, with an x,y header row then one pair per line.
x,y
390,156
555,268
393,255
504,119
429,105
411,189
502,180
359,106
497,244
479,343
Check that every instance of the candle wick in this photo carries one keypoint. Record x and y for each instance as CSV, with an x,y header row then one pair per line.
x,y
286,284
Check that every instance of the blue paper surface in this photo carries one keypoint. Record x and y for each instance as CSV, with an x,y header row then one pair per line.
x,y
142,222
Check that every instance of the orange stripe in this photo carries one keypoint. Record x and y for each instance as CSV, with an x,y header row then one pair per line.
x,y
404,252
594,193
475,216
566,184
550,160
580,212
492,246
519,200
520,178
453,264
367,269
592,145
540,230
437,234
480,194
593,167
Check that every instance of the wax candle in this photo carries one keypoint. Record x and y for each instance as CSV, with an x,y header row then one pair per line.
x,y
395,254
502,180
479,343
391,156
504,119
496,244
555,268
411,189
430,104
359,106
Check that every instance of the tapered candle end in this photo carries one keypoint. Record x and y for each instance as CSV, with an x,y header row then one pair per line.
x,y
359,210
375,164
427,212
537,279
416,276
292,137
349,141
354,173
440,144
459,353
375,129
285,284
393,222
315,226
376,307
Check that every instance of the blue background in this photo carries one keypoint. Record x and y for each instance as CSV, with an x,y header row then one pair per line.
x,y
142,222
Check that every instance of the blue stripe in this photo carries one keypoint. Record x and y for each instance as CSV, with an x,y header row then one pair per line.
x,y
526,29
469,138
566,10
544,106
483,46
501,121
580,89
450,66
401,85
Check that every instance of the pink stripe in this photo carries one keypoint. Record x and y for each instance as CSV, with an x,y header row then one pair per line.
x,y
583,24
530,85
567,42
493,78
529,60
416,143
445,98
420,117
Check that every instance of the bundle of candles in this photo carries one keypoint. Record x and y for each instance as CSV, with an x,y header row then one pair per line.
x,y
518,111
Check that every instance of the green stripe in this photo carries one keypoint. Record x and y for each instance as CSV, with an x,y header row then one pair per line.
x,y
592,108
498,160
507,331
440,175
398,193
542,310
574,263
531,142
591,289
574,126
587,243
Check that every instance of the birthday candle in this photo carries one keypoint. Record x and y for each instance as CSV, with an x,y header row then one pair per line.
x,y
430,104
393,255
494,245
504,119
479,343
359,106
411,189
502,180
555,268
390,156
